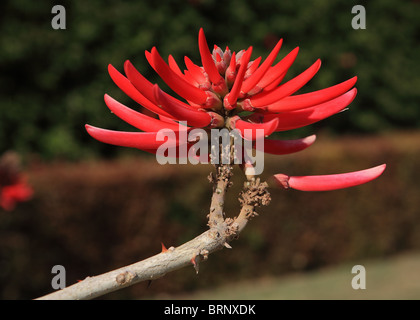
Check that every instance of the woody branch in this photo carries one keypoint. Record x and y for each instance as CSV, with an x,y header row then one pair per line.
x,y
221,231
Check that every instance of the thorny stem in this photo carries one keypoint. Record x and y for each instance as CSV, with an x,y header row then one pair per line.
x,y
221,231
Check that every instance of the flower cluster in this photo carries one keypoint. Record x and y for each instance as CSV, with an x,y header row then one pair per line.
x,y
231,91
13,187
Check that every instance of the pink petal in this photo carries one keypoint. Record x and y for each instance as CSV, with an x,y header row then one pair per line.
x,y
280,147
329,182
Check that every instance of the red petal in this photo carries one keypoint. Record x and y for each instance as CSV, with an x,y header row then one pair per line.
x,y
197,73
260,72
231,70
139,140
268,127
288,88
178,84
310,99
279,69
194,118
137,119
207,59
300,118
129,89
280,147
174,66
329,182
232,96
139,81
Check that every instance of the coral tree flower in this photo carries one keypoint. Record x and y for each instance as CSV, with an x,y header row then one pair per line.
x,y
13,187
230,90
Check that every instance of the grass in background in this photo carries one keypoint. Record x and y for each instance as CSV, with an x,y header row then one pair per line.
x,y
386,279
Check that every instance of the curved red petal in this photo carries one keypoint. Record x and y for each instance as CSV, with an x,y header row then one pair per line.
x,y
195,118
279,69
286,89
280,147
304,117
137,119
178,84
174,66
143,85
245,128
139,140
129,89
312,98
232,96
207,59
196,72
300,118
230,73
329,182
250,83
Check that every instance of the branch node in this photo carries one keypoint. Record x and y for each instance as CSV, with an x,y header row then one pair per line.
x,y
125,277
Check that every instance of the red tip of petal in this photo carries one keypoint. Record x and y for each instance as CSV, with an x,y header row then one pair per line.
x,y
178,84
259,73
288,88
280,147
279,70
207,59
236,88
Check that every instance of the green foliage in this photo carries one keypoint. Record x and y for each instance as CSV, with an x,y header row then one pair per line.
x,y
52,81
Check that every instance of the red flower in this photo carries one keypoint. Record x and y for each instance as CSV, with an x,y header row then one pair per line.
x,y
231,91
13,187
11,194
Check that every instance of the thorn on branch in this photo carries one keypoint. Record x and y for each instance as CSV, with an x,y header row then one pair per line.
x,y
201,255
227,245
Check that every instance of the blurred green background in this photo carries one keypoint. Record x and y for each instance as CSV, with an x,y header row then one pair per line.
x,y
52,82
92,216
